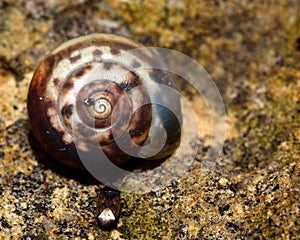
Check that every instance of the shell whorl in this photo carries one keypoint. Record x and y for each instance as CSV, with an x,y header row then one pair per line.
x,y
82,90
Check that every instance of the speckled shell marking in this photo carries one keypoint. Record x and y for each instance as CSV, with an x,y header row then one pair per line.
x,y
73,94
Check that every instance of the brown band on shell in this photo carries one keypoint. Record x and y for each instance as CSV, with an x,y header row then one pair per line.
x,y
75,58
115,43
97,53
81,71
67,110
61,112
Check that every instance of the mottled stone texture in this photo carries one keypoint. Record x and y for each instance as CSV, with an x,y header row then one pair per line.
x,y
252,51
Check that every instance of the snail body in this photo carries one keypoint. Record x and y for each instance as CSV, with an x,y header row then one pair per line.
x,y
87,95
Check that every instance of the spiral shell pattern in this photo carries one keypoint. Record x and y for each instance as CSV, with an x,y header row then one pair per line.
x,y
82,90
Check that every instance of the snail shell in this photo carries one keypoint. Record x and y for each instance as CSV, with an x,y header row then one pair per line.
x,y
83,97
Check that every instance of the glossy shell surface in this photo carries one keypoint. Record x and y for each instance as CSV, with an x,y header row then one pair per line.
x,y
83,96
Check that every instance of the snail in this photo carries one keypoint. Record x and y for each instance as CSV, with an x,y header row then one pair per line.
x,y
101,92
